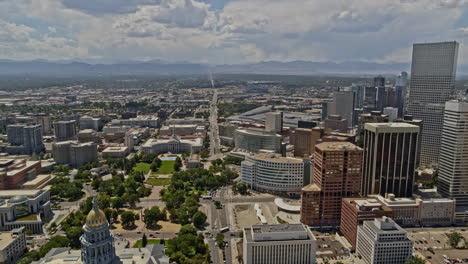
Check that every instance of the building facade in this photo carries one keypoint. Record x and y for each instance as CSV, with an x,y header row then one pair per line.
x,y
75,154
272,173
453,161
24,208
390,158
432,84
279,244
12,245
24,139
304,140
383,241
97,242
274,122
65,130
250,140
410,212
343,105
336,175
173,145
355,211
15,172
94,123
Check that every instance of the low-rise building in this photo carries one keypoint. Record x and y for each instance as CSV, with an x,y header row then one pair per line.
x,y
15,172
355,211
271,172
24,208
382,241
420,212
39,182
140,121
116,152
174,145
12,245
275,244
89,135
182,130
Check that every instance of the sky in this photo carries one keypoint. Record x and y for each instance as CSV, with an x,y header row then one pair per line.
x,y
228,31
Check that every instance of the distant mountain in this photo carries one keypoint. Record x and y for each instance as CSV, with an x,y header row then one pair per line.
x,y
159,67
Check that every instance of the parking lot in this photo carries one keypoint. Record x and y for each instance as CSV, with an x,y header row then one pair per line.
x,y
434,245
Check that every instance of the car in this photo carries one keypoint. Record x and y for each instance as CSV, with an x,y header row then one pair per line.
x,y
151,235
139,232
157,232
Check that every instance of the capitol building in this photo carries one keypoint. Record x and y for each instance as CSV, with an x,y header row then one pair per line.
x,y
98,246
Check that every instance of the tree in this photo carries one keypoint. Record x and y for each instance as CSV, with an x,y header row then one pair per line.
x,y
199,219
152,216
220,240
177,164
144,241
128,219
73,234
104,201
117,203
454,239
415,260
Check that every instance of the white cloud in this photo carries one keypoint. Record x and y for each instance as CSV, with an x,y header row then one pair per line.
x,y
243,31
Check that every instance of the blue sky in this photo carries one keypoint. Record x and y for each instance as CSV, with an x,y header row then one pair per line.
x,y
227,31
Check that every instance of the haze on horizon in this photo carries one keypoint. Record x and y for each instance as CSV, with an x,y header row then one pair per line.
x,y
227,31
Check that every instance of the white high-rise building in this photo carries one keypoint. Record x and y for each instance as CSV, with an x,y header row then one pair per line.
x,y
453,161
392,113
279,244
382,241
274,122
432,84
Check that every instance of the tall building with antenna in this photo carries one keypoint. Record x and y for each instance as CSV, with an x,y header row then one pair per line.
x,y
432,84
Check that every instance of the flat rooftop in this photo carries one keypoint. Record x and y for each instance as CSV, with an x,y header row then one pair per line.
x,y
286,232
12,193
279,228
337,146
273,157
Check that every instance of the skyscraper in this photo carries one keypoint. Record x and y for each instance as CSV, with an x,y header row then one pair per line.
x,y
337,175
390,158
401,85
453,161
432,84
343,105
274,122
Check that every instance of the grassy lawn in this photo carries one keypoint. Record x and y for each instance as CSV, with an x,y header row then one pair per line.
x,y
167,167
150,242
158,181
143,167
30,217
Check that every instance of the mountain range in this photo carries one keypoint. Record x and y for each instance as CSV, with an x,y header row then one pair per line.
x,y
159,67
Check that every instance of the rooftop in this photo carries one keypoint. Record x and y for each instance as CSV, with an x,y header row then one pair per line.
x,y
273,157
337,146
311,188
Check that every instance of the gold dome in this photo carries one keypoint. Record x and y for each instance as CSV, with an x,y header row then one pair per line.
x,y
96,216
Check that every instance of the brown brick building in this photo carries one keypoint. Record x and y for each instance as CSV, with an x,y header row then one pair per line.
x,y
15,172
336,175
355,211
304,141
